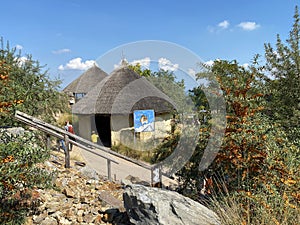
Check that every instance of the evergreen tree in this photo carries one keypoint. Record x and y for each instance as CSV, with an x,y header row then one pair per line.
x,y
283,64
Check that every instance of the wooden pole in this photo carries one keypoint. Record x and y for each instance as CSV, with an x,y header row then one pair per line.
x,y
109,169
48,141
152,175
67,153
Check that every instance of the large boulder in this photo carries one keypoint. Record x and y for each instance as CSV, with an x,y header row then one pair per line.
x,y
16,130
148,205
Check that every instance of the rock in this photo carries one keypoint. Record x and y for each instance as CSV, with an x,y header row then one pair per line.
x,y
49,221
63,221
50,165
114,216
80,212
109,199
92,182
16,130
110,214
52,207
84,200
11,132
89,218
148,205
57,215
79,219
89,172
69,192
75,199
133,180
98,220
38,219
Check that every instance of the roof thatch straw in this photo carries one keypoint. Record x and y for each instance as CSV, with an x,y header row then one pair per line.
x,y
85,82
122,92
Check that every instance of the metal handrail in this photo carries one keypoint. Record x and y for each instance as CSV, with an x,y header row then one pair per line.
x,y
62,134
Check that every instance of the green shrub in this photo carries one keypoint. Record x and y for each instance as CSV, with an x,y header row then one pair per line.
x,y
20,175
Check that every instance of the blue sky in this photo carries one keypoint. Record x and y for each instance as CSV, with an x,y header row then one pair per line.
x,y
69,35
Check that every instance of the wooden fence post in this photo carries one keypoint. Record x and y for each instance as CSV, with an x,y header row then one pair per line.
x,y
67,153
48,141
109,169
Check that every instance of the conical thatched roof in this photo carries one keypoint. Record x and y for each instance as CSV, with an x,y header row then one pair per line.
x,y
122,92
86,81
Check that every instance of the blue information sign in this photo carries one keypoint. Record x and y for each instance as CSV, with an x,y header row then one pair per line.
x,y
144,120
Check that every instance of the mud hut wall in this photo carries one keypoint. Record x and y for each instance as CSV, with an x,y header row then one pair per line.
x,y
163,125
123,130
85,126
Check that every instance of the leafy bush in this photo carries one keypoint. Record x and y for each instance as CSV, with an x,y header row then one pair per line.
x,y
26,86
257,162
165,148
20,175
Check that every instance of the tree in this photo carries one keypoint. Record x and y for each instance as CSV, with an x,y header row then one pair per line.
x,y
166,82
25,87
138,69
255,157
283,64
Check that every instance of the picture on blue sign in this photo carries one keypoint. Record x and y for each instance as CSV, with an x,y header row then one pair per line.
x,y
143,120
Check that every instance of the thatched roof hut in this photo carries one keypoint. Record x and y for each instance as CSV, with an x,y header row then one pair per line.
x,y
108,108
87,81
122,92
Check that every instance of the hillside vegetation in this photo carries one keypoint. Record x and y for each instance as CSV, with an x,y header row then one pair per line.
x,y
255,177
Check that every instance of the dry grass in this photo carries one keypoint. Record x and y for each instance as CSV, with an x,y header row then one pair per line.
x,y
231,212
132,153
62,118
238,209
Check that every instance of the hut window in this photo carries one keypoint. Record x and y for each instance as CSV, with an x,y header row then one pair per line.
x,y
79,95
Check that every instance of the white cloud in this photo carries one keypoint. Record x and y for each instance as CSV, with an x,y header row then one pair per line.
x,y
209,63
277,54
20,61
248,25
122,61
191,72
163,63
224,24
145,62
19,47
77,64
245,65
166,64
61,51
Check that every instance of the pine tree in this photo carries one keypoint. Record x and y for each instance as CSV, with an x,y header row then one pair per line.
x,y
283,64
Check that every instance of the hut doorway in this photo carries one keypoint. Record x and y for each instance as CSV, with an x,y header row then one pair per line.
x,y
103,129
